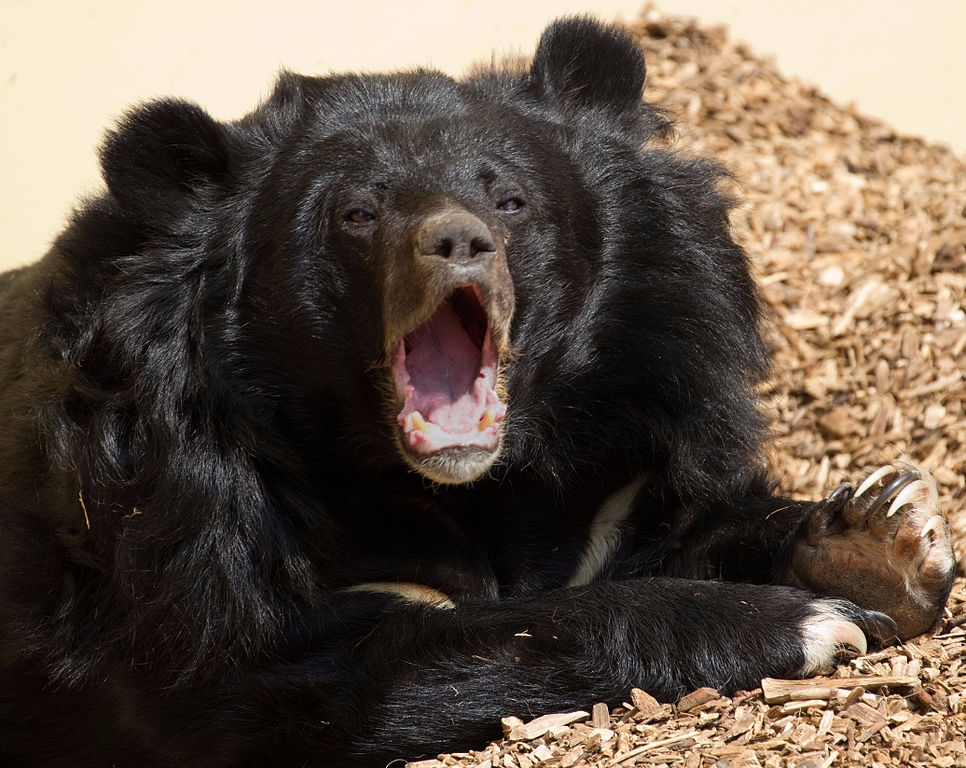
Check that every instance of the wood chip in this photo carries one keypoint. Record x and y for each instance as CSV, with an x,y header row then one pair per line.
x,y
654,745
780,691
600,717
509,724
644,703
543,725
698,698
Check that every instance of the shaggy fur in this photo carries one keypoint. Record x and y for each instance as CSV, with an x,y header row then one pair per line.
x,y
226,538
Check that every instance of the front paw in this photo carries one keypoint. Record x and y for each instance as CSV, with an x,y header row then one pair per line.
x,y
884,546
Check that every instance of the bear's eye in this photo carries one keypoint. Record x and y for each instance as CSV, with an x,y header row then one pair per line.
x,y
511,205
360,216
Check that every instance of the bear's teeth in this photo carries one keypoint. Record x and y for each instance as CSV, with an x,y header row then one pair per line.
x,y
419,423
486,420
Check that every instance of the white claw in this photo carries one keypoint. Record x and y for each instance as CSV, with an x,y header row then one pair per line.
x,y
849,635
933,487
824,633
906,495
873,479
935,523
926,477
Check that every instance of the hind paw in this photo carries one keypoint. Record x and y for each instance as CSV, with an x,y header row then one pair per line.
x,y
884,545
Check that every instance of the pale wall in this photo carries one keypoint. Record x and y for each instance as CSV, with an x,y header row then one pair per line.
x,y
67,69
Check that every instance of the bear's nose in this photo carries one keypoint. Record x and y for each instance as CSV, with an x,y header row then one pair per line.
x,y
458,236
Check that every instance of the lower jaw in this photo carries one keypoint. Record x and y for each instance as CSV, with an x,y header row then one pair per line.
x,y
452,466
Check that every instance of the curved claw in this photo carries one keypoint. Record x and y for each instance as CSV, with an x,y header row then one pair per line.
x,y
840,495
847,635
877,625
908,494
838,625
892,489
873,479
935,523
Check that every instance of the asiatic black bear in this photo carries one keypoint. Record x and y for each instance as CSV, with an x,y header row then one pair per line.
x,y
331,435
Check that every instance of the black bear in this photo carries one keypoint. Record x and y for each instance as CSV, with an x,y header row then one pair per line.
x,y
333,434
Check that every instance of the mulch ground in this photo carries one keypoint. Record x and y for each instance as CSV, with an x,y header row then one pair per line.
x,y
859,238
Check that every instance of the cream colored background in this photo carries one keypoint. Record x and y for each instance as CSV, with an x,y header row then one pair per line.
x,y
69,67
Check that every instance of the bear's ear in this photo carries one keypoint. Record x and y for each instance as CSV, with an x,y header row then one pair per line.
x,y
160,156
588,65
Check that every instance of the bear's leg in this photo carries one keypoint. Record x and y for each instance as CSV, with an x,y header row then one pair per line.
x,y
373,677
389,679
884,545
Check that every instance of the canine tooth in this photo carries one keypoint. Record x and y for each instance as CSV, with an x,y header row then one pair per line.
x,y
873,479
937,522
907,495
419,423
486,420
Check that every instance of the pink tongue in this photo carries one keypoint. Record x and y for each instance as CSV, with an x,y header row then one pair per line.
x,y
443,365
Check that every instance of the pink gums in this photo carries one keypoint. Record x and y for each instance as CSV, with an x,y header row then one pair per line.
x,y
448,384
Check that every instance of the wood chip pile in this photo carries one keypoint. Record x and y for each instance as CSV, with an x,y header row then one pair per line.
x,y
893,708
859,238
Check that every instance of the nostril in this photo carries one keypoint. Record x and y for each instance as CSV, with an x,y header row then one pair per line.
x,y
481,245
443,248
457,237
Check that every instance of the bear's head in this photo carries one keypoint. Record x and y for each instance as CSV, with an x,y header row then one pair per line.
x,y
452,200
411,270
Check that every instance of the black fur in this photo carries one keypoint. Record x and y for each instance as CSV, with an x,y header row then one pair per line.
x,y
198,459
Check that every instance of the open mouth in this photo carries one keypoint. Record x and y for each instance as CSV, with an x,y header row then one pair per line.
x,y
446,371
